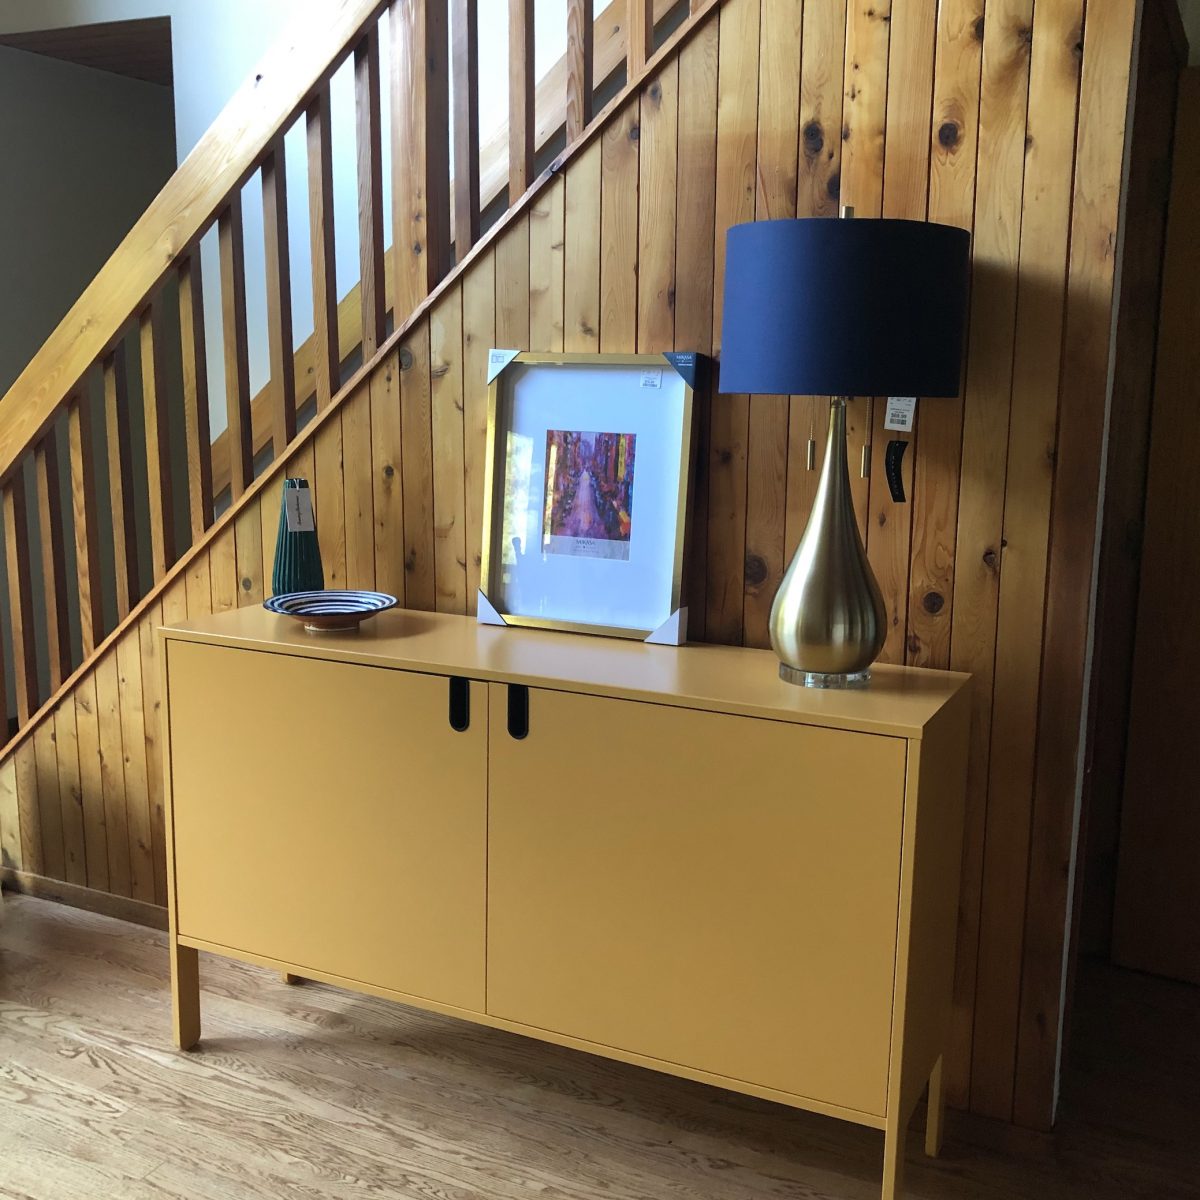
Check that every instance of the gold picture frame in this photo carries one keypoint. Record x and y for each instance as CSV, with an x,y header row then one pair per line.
x,y
587,563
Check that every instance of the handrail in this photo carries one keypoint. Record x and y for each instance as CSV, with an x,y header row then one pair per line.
x,y
287,79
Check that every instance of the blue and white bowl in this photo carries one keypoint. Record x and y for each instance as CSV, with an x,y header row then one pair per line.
x,y
330,611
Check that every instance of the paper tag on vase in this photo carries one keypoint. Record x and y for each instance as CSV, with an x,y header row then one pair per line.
x,y
298,504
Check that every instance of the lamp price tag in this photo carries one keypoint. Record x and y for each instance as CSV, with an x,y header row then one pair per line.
x,y
298,505
901,413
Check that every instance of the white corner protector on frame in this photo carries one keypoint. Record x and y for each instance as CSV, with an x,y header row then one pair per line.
x,y
498,360
672,632
485,613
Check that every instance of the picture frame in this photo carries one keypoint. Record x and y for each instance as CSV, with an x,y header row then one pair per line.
x,y
586,482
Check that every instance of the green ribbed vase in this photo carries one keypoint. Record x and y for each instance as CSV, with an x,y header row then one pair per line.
x,y
297,554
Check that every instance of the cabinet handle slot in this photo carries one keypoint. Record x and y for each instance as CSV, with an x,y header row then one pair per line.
x,y
460,704
518,711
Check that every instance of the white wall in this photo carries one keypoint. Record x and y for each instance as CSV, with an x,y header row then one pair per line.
x,y
215,43
84,152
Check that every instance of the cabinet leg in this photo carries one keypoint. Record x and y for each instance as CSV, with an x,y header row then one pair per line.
x,y
185,995
935,1115
287,977
893,1162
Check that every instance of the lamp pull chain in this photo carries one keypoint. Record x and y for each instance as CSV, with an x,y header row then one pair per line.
x,y
866,450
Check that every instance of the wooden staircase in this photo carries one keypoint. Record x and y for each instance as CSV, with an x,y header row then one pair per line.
x,y
380,407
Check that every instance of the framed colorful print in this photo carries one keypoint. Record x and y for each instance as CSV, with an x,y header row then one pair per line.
x,y
585,492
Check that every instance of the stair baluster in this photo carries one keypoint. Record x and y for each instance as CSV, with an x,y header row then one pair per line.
x,y
20,596
193,345
281,347
580,50
521,95
159,488
231,239
54,569
369,137
324,273
81,454
465,82
640,17
120,481
420,152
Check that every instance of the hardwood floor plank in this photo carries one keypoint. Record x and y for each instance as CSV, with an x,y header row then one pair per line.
x,y
38,1166
317,1092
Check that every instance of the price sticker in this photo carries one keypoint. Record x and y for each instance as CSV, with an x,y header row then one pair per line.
x,y
652,378
901,413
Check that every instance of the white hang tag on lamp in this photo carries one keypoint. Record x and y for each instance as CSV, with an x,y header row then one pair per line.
x,y
901,413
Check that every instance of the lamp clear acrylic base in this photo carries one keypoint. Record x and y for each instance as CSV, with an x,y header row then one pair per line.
x,y
819,679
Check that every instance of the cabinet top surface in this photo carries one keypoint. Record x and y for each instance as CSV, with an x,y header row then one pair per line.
x,y
899,701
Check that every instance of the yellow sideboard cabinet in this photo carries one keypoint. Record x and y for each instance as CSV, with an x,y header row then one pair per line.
x,y
663,855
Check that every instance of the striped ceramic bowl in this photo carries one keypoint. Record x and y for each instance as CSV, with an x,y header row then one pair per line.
x,y
330,610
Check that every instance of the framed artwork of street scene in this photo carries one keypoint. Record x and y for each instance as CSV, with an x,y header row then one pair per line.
x,y
585,494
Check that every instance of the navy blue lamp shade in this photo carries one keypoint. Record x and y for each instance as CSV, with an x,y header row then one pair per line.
x,y
826,307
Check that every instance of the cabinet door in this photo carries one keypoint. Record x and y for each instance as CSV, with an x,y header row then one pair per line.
x,y
327,815
714,891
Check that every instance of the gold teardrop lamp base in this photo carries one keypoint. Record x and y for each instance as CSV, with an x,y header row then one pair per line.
x,y
828,621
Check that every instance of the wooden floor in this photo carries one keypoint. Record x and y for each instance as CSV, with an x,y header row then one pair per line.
x,y
311,1092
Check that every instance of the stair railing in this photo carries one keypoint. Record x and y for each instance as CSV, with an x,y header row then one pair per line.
x,y
108,473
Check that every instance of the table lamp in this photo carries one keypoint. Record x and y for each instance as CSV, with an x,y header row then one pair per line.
x,y
840,308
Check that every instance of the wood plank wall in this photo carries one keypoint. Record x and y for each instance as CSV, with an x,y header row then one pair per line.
x,y
1009,122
